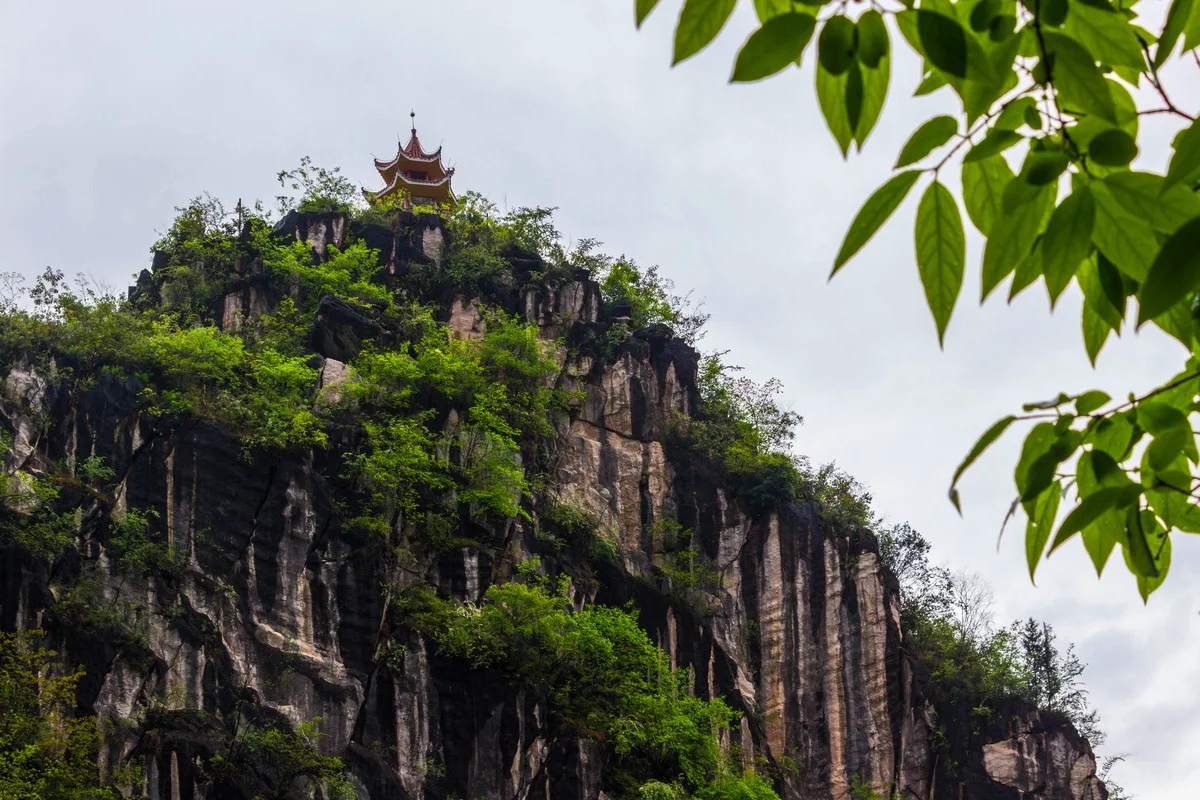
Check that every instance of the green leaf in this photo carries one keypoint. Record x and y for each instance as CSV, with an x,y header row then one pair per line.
x,y
943,41
699,23
1176,24
1095,332
1088,402
1141,194
835,45
1041,168
853,98
1002,27
941,253
1078,80
931,135
1037,444
989,436
1091,507
1138,556
1122,238
1112,148
997,141
1166,447
1102,288
872,38
1160,548
983,13
1027,271
1052,12
906,22
1157,417
1185,163
983,190
1040,524
1113,436
1068,240
1015,114
1107,34
766,9
642,9
1177,323
1033,117
773,47
931,83
1097,470
873,214
831,96
1174,274
874,92
1012,237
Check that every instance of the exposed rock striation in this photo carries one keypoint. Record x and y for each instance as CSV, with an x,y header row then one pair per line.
x,y
276,599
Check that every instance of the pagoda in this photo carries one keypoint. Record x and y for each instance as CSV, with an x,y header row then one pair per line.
x,y
414,177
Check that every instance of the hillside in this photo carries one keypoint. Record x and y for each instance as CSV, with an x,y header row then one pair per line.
x,y
394,505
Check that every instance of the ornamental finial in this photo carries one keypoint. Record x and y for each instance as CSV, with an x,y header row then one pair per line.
x,y
413,114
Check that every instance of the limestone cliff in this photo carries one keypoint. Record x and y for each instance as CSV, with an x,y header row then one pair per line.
x,y
801,634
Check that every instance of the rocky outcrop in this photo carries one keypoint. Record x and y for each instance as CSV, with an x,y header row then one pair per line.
x,y
274,598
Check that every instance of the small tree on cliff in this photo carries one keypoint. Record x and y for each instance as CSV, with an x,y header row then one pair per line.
x,y
1047,85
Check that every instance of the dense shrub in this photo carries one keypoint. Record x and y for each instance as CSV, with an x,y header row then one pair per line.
x,y
600,675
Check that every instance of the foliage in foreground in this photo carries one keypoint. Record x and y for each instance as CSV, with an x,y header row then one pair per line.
x,y
1047,87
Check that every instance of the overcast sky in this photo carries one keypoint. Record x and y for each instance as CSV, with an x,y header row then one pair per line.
x,y
116,112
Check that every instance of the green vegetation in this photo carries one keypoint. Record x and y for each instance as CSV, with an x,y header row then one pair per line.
x,y
276,761
500,385
600,676
1045,123
46,752
740,428
321,190
973,664
29,519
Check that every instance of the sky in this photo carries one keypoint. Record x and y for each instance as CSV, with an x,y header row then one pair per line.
x,y
117,112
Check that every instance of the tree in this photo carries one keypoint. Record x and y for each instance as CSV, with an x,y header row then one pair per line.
x,y
1045,86
45,750
1054,677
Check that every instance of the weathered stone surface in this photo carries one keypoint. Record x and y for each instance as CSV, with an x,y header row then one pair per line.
x,y
340,329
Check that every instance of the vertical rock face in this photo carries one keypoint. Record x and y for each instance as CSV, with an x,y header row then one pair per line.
x,y
276,600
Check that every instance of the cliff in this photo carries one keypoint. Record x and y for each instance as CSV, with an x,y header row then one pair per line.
x,y
278,602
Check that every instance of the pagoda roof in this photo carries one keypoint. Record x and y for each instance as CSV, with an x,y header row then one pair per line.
x,y
436,188
411,152
405,163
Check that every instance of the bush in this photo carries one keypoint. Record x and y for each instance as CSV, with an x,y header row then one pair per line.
x,y
138,549
649,296
197,253
29,521
600,675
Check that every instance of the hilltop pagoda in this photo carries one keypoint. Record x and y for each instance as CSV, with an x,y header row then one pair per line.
x,y
414,177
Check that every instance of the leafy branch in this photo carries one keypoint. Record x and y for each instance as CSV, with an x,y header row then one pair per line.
x,y
1046,131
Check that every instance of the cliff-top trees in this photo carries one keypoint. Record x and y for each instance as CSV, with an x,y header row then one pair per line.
x,y
1049,97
